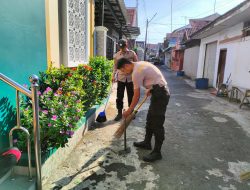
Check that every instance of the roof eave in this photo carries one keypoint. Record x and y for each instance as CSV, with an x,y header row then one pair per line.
x,y
217,24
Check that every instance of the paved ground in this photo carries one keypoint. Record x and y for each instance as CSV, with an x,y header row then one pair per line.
x,y
207,146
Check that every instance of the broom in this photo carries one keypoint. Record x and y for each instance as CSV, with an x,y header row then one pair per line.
x,y
102,115
125,122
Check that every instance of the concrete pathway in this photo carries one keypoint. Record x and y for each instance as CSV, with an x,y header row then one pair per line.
x,y
207,146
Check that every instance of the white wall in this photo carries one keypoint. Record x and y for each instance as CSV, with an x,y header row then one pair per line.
x,y
237,59
241,74
230,61
167,59
140,53
190,64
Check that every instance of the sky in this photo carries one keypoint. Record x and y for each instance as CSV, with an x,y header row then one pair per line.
x,y
182,11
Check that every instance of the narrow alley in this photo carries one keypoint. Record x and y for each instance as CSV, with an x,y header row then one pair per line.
x,y
60,120
206,147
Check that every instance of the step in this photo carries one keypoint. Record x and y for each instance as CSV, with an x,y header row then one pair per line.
x,y
6,176
18,182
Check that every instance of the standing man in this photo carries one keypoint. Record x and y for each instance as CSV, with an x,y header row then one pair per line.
x,y
123,80
149,76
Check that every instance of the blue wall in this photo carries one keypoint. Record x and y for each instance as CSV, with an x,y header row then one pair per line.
x,y
22,52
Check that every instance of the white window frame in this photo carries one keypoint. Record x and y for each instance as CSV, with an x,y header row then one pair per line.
x,y
65,46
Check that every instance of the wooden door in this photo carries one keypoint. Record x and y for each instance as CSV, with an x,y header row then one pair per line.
x,y
221,67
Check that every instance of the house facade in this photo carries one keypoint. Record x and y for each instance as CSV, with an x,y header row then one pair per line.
x,y
192,46
173,55
36,35
224,49
47,33
177,51
23,52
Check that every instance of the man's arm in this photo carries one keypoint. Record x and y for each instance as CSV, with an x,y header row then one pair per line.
x,y
134,102
135,58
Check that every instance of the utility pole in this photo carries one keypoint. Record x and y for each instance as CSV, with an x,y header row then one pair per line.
x,y
146,36
185,17
137,5
102,12
145,43
171,15
214,5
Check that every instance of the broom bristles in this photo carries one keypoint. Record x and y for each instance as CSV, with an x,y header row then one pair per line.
x,y
124,124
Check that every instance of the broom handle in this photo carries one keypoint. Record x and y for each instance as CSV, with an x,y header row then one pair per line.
x,y
142,102
108,96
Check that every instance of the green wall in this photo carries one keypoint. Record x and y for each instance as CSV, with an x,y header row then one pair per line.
x,y
22,52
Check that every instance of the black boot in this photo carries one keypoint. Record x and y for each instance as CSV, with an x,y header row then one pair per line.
x,y
143,145
146,144
158,144
156,153
119,116
153,156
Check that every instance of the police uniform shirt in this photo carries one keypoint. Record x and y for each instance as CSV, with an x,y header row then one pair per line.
x,y
131,56
146,74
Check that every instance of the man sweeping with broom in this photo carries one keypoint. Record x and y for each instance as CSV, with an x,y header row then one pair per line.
x,y
149,76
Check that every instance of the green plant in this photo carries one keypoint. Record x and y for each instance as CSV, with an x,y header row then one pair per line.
x,y
65,95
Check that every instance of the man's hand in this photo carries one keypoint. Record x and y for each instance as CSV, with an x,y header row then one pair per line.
x,y
126,113
148,92
133,103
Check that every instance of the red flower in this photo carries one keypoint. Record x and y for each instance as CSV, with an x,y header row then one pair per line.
x,y
59,91
73,68
69,75
87,67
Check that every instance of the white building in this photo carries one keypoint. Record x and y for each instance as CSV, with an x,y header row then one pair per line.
x,y
192,46
225,48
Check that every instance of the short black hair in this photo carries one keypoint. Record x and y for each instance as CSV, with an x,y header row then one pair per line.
x,y
121,62
122,43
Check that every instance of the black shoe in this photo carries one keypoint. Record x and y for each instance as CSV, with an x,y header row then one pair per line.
x,y
118,117
153,156
143,145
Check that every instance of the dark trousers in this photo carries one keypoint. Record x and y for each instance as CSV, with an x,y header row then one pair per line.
x,y
120,93
156,116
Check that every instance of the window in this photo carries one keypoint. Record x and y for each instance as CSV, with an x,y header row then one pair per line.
x,y
75,32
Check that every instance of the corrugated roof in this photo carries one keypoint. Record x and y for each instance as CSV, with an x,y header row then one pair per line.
x,y
227,17
197,24
115,14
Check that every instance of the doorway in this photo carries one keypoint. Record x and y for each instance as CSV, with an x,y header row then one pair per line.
x,y
221,66
209,65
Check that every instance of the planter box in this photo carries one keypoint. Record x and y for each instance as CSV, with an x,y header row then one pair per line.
x,y
56,156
